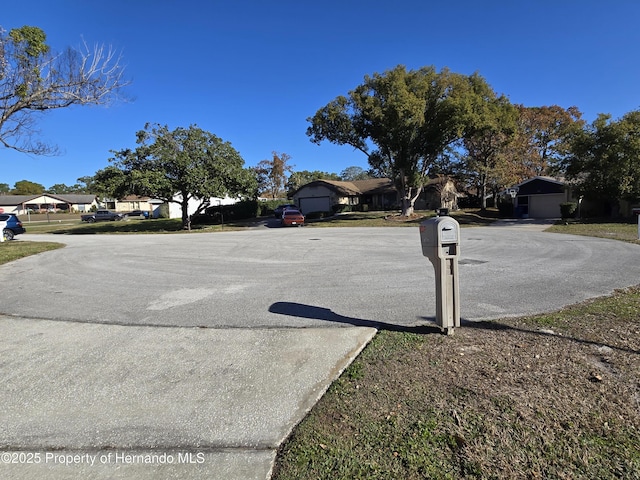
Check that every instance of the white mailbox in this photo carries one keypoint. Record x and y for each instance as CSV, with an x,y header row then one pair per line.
x,y
3,225
440,237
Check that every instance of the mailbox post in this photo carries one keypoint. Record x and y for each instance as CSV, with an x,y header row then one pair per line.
x,y
440,238
3,224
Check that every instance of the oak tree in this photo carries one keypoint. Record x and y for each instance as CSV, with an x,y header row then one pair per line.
x,y
543,137
354,173
26,187
402,120
182,166
604,164
490,126
298,179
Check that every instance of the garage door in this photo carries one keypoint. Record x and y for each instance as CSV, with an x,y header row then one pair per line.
x,y
545,206
315,204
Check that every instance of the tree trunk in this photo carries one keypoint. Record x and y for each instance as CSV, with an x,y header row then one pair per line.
x,y
186,219
483,193
407,206
408,202
405,191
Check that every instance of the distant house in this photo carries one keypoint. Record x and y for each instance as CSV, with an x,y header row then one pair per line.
x,y
131,203
540,197
46,202
439,192
372,194
323,195
174,210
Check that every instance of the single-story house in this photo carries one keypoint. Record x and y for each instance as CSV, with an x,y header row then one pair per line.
x,y
540,197
46,202
130,203
322,195
373,194
439,192
175,209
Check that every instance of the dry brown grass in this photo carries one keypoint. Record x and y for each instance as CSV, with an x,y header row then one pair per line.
x,y
550,396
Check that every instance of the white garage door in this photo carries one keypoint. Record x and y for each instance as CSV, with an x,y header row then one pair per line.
x,y
545,206
315,204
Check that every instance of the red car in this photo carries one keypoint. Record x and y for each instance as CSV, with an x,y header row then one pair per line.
x,y
291,218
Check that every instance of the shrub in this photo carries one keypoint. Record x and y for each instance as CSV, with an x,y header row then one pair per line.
x,y
568,209
469,202
163,211
266,207
237,211
340,208
505,208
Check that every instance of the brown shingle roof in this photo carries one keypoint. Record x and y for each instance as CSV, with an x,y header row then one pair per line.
x,y
356,187
374,185
345,188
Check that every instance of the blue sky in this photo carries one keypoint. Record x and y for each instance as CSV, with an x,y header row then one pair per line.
x,y
252,71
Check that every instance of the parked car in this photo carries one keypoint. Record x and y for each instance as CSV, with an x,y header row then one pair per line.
x,y
291,218
138,213
281,208
102,216
14,226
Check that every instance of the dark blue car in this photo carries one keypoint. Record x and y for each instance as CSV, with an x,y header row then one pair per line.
x,y
281,208
13,226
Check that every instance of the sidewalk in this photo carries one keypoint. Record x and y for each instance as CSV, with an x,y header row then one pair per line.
x,y
84,400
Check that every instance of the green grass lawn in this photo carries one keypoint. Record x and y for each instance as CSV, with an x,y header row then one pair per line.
x,y
163,225
14,250
393,219
73,225
626,231
549,396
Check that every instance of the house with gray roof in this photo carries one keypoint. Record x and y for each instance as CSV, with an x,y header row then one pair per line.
x,y
46,202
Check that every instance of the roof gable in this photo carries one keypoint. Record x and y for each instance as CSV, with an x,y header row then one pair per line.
x,y
341,188
540,178
356,187
540,185
73,199
17,199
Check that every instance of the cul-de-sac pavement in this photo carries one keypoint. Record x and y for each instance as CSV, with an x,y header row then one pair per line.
x,y
194,355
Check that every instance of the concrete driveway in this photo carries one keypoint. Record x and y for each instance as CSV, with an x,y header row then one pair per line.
x,y
193,356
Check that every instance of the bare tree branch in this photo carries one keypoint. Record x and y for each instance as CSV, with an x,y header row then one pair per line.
x,y
34,80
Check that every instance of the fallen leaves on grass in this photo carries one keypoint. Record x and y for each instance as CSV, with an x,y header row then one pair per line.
x,y
552,396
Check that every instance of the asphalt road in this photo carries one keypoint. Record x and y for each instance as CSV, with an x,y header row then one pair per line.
x,y
302,277
209,348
